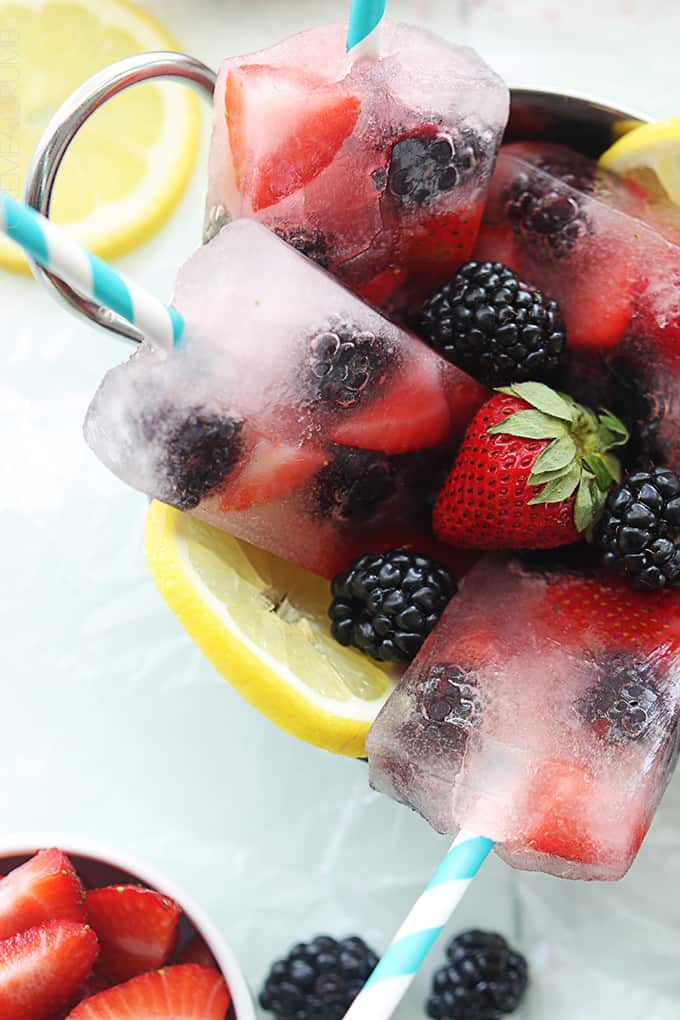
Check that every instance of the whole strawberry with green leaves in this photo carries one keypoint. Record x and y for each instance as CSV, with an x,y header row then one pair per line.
x,y
533,472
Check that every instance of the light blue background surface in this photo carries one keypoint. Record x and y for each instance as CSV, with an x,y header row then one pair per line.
x,y
113,727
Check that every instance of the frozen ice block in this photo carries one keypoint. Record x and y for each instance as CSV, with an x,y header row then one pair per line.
x,y
542,712
292,415
610,255
377,169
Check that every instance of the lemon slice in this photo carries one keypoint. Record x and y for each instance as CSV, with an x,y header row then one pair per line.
x,y
131,162
262,624
649,154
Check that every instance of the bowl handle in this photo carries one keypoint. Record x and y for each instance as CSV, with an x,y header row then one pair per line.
x,y
63,128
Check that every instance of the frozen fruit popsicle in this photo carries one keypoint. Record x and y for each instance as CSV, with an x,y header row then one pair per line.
x,y
292,415
377,169
611,258
543,712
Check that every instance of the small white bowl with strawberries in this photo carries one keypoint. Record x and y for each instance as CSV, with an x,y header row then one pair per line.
x,y
86,934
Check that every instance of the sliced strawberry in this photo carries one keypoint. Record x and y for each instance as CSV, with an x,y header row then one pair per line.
x,y
184,992
380,290
197,952
599,307
497,243
434,249
604,611
558,807
410,413
41,969
136,928
285,127
560,822
45,888
273,470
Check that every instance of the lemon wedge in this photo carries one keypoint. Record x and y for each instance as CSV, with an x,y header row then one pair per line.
x,y
262,624
130,164
650,154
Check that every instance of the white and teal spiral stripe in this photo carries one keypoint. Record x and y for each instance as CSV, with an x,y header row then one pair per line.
x,y
390,980
51,247
363,33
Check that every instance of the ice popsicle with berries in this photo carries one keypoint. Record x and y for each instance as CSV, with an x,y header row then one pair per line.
x,y
543,712
609,252
291,414
377,168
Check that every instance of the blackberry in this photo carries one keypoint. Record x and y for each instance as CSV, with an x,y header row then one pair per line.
x,y
386,605
447,696
311,243
639,531
353,486
483,979
344,363
318,980
424,166
494,326
545,207
197,453
626,704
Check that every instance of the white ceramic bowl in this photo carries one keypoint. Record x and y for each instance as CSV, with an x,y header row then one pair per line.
x,y
100,865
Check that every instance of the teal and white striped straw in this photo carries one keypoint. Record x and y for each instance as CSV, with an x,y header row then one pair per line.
x,y
51,247
363,34
390,980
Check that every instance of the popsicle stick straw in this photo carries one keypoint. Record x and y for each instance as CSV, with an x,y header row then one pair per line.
x,y
391,979
52,248
363,34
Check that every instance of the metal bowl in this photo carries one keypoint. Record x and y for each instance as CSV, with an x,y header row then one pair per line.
x,y
582,122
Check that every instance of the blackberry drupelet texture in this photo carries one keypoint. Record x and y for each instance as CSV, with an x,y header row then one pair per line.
x,y
313,244
640,529
548,213
495,327
353,486
197,454
345,363
626,704
483,979
424,166
318,980
386,605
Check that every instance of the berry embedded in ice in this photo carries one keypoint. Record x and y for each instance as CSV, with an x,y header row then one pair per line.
x,y
495,327
547,213
386,605
197,453
344,362
318,980
447,695
483,979
353,486
626,704
313,244
640,529
424,166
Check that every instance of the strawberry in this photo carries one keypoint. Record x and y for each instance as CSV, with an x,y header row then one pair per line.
x,y
184,992
380,289
497,243
285,127
604,612
197,952
45,888
532,472
411,413
136,928
42,968
433,249
554,826
272,470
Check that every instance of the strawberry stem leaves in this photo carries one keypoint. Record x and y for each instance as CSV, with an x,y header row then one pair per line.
x,y
577,459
